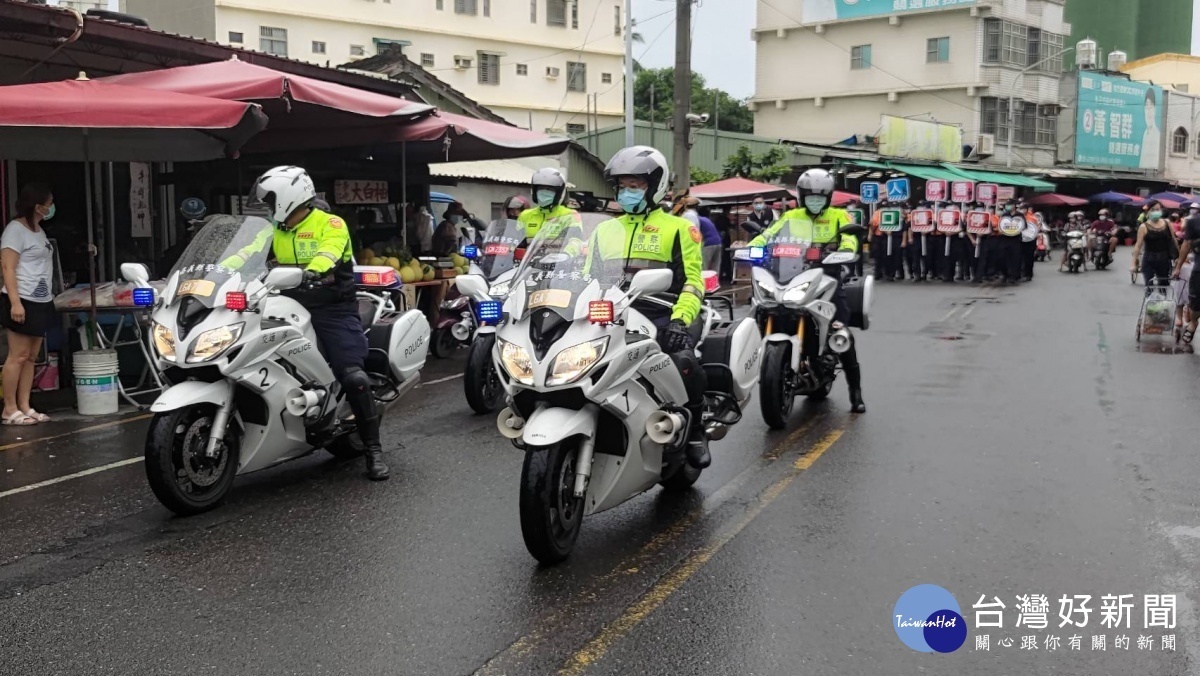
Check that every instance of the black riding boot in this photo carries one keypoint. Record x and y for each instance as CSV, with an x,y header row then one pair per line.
x,y
697,444
368,430
853,380
362,402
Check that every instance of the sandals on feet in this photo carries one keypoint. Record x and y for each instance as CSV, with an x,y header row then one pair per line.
x,y
1188,335
18,418
39,417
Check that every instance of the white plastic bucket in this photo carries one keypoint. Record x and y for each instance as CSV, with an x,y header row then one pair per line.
x,y
96,381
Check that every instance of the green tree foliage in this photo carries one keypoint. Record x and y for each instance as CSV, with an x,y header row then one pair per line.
x,y
735,116
702,176
766,167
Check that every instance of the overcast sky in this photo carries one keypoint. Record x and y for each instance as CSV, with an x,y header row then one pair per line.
x,y
723,52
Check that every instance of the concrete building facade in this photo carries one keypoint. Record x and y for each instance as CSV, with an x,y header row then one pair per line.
x,y
536,63
952,62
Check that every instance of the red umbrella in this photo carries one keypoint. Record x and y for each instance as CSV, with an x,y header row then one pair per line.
x,y
1057,200
82,120
841,198
736,189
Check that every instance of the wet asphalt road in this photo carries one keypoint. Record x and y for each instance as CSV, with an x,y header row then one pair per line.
x,y
1018,441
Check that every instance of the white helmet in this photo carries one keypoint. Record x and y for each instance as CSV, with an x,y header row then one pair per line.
x,y
284,190
645,163
552,180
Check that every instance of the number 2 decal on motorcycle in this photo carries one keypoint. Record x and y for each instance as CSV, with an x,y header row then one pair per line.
x,y
264,373
628,406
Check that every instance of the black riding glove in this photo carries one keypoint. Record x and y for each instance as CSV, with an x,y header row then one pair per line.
x,y
311,279
678,339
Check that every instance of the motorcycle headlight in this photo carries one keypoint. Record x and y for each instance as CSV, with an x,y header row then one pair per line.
x,y
796,293
516,362
572,363
766,293
213,342
164,341
499,290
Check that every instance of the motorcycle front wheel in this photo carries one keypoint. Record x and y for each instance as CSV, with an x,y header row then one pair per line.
x,y
443,343
481,383
551,516
184,479
775,386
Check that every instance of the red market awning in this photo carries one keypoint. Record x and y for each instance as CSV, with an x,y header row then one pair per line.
x,y
77,120
290,100
737,190
1057,200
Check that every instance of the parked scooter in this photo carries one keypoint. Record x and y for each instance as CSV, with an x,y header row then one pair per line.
x,y
597,407
794,283
453,325
251,388
496,262
1076,251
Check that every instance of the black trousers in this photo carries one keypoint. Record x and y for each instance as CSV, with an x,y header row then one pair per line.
x,y
913,254
1028,256
340,336
1009,258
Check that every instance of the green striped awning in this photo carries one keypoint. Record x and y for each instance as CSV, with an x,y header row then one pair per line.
x,y
980,176
921,171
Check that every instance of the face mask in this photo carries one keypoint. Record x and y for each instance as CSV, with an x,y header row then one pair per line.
x,y
759,207
815,204
545,198
1009,208
631,199
49,213
1155,215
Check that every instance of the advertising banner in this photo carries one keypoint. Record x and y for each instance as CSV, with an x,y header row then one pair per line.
x,y
819,11
1118,123
919,140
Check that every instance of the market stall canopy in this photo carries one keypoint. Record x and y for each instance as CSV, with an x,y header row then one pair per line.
x,y
1177,197
1056,200
77,120
737,189
999,178
1113,197
446,137
292,101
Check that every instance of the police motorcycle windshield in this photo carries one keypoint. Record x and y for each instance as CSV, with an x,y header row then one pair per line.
x,y
790,251
556,275
498,254
222,237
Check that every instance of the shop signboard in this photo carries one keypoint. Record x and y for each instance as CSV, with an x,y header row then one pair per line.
x,y
139,200
820,11
360,192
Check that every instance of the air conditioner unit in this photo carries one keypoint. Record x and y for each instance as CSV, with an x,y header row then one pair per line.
x,y
1049,109
985,146
551,72
462,62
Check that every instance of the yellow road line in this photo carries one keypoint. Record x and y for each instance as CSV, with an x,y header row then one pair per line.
x,y
616,630
27,442
525,646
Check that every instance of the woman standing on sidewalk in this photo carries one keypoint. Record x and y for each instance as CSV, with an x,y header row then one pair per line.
x,y
27,306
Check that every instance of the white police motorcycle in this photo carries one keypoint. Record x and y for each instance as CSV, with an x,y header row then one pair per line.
x,y
594,403
251,389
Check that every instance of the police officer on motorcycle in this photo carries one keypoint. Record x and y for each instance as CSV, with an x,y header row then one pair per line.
x,y
549,189
320,242
824,222
648,237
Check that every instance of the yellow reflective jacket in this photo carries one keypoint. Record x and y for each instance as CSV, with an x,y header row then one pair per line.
x,y
558,217
825,229
320,243
655,240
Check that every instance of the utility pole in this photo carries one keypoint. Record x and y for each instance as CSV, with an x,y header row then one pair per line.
x,y
629,75
683,93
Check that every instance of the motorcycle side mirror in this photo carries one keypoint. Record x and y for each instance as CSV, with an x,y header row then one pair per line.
x,y
136,272
473,286
651,281
853,229
283,279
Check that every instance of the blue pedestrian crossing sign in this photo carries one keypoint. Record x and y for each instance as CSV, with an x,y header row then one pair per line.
x,y
869,192
897,190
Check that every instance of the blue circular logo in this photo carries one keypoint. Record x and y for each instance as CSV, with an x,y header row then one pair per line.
x,y
928,619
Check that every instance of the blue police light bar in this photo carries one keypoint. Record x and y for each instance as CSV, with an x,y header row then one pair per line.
x,y
758,254
489,311
143,297
470,252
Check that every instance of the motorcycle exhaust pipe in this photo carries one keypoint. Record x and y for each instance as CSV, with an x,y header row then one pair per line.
x,y
461,331
663,427
839,341
298,402
510,424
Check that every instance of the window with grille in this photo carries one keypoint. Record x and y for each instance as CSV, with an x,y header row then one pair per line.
x,y
466,7
937,50
272,40
576,129
235,38
522,69
575,14
1179,142
358,50
1014,45
1047,130
605,78
618,25
1052,52
1034,47
991,40
860,57
556,13
487,7
427,60
318,47
994,117
576,76
489,68
438,5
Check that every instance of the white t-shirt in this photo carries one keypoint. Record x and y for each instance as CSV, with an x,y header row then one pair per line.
x,y
35,263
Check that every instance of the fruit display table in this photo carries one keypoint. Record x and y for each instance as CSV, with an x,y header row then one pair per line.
x,y
413,293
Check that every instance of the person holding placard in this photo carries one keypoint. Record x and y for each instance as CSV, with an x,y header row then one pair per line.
x,y
1008,245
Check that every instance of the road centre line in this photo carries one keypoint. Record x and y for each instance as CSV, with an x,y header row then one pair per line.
x,y
599,645
440,380
101,426
524,646
86,472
